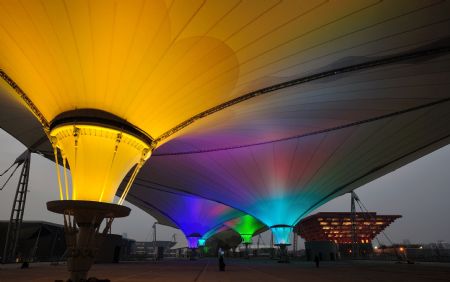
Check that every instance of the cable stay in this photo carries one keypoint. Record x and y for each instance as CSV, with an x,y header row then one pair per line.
x,y
10,176
3,173
19,160
366,216
366,212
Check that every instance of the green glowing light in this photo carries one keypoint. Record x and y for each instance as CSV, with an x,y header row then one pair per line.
x,y
246,226
246,238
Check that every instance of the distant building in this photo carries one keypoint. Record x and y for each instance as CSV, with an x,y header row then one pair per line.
x,y
328,235
143,250
45,241
443,245
38,241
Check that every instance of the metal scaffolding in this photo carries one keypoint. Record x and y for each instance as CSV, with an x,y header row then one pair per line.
x,y
18,208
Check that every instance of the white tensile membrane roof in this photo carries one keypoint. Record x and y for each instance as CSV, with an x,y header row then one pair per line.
x,y
323,104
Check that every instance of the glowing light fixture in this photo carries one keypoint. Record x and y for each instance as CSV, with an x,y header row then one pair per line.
x,y
246,226
193,240
201,242
281,234
246,238
99,158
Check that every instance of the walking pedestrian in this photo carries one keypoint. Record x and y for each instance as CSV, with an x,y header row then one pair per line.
x,y
317,260
221,260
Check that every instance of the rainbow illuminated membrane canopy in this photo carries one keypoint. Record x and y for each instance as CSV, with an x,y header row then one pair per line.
x,y
187,62
100,149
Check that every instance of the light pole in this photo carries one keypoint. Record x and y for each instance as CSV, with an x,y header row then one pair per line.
x,y
154,241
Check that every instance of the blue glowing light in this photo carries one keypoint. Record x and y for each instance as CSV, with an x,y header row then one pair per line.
x,y
193,242
281,234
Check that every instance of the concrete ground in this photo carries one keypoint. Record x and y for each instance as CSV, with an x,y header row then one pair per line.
x,y
260,270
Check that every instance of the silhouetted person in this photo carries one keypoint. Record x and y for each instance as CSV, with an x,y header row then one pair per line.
x,y
221,261
25,265
317,260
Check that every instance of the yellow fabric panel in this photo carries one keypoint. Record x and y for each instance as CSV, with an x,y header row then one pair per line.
x,y
158,63
121,57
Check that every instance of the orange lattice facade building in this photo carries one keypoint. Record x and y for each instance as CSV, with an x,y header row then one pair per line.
x,y
337,226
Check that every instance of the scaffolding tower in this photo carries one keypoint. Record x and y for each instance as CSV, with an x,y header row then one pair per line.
x,y
18,208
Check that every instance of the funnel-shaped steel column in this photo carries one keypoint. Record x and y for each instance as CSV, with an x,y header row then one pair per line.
x,y
282,234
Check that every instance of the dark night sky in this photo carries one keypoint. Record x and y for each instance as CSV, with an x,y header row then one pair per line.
x,y
419,191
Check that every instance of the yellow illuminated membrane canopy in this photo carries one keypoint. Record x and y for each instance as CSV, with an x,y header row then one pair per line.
x,y
99,157
177,58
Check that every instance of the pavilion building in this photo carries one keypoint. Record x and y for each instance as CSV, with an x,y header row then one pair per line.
x,y
330,235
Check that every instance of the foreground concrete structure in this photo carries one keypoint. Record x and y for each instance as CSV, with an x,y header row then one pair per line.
x,y
82,220
241,270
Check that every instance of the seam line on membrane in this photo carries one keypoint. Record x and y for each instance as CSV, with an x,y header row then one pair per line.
x,y
326,130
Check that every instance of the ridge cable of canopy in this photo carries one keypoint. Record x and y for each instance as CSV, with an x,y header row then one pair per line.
x,y
344,126
29,104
